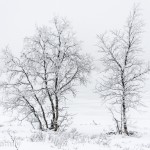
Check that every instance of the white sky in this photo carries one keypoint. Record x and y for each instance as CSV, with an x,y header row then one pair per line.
x,y
88,18
18,18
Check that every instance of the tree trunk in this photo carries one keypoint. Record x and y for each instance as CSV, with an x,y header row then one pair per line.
x,y
124,118
57,114
35,113
49,95
37,99
121,122
44,116
53,108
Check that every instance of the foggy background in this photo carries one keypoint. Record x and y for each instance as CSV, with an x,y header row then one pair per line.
x,y
19,18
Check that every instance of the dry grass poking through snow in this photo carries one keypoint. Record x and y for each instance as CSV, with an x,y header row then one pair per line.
x,y
71,140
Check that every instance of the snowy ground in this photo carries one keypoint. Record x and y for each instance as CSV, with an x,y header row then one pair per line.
x,y
13,138
89,130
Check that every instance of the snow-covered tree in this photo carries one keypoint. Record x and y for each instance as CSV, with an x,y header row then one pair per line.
x,y
124,71
50,67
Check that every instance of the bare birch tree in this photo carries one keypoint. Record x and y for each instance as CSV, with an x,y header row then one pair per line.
x,y
124,71
21,92
54,66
